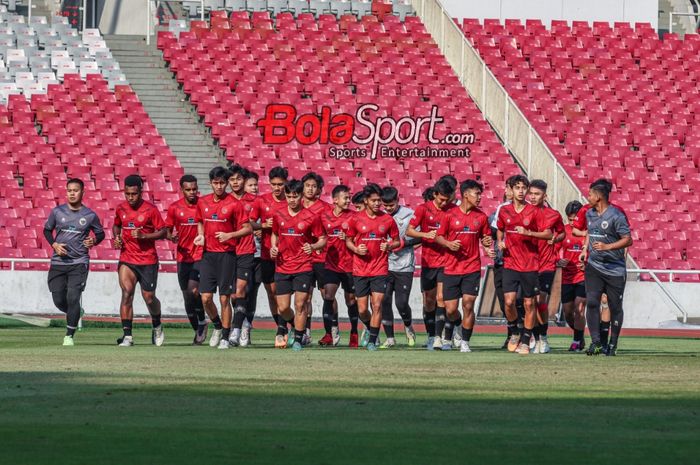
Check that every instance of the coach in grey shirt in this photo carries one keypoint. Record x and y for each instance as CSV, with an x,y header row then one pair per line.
x,y
402,264
72,223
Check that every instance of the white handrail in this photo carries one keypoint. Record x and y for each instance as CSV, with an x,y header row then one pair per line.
x,y
670,19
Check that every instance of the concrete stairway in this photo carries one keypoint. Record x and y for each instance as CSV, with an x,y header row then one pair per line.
x,y
167,106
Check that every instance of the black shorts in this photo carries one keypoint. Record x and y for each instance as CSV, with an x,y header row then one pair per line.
x,y
400,282
217,271
338,278
267,271
64,277
319,271
598,283
364,285
244,266
146,275
187,272
456,286
290,283
528,282
570,292
546,278
429,277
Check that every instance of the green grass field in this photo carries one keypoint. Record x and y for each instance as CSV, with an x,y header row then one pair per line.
x,y
99,404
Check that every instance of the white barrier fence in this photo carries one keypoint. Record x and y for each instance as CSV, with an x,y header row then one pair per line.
x,y
27,292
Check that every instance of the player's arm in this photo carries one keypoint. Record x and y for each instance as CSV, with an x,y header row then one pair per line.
x,y
154,236
394,241
245,229
542,235
500,236
117,242
98,231
49,228
274,250
318,245
622,243
199,240
451,245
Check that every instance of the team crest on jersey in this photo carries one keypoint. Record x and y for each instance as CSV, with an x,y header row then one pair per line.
x,y
224,210
300,226
526,222
382,228
140,218
248,207
344,226
82,221
604,225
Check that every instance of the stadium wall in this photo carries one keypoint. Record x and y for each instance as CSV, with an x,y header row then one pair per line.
x,y
546,10
27,292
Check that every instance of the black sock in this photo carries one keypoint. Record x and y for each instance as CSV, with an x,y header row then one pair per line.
x,y
199,311
281,326
604,332
328,315
155,320
216,321
70,331
578,335
238,319
388,328
192,318
276,318
373,334
439,321
308,321
429,320
525,338
467,333
544,327
458,321
354,318
127,326
449,329
226,332
513,328
536,332
298,335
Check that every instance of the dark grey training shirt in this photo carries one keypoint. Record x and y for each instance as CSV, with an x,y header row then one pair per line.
x,y
607,228
72,228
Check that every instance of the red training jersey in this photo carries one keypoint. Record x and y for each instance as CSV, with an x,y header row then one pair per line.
x,y
522,252
320,208
268,206
182,217
551,219
338,256
223,215
146,218
571,249
246,244
293,231
372,232
467,228
428,217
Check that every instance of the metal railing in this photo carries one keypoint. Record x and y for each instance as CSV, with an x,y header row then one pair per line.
x,y
158,2
672,14
47,261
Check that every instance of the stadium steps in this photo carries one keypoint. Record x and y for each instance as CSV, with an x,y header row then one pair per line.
x,y
167,105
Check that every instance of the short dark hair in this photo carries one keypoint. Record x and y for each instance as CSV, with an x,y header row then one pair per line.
x,y
470,184
76,181
390,194
315,177
339,189
428,194
519,178
510,181
219,172
603,187
449,178
358,197
294,186
133,180
278,172
236,169
251,175
187,178
445,187
371,189
573,207
539,184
